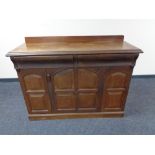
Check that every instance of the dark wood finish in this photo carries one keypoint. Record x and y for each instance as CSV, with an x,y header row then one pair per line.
x,y
115,88
75,77
34,85
75,115
73,45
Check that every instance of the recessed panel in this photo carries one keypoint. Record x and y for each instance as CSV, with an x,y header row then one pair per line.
x,y
87,100
64,80
114,99
87,79
65,101
116,80
38,102
34,82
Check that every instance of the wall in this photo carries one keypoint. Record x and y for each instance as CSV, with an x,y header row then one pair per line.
x,y
138,32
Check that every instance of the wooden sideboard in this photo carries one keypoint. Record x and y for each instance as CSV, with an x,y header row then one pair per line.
x,y
74,76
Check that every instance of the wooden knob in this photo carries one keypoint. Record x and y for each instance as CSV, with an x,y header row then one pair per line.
x,y
48,76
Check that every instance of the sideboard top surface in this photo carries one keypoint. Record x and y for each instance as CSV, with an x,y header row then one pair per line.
x,y
62,45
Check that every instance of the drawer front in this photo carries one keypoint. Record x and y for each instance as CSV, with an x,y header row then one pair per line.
x,y
106,60
43,61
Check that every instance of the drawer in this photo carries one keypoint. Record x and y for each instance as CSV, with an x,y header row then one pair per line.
x,y
105,59
43,61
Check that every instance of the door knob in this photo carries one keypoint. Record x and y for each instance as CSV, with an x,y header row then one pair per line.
x,y
48,76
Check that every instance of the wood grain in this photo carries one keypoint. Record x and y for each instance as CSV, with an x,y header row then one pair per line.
x,y
73,45
75,76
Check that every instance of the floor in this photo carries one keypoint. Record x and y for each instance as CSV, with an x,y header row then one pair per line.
x,y
139,115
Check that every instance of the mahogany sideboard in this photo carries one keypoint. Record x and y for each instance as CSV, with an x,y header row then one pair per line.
x,y
74,76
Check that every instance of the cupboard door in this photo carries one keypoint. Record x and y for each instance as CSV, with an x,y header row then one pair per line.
x,y
87,89
64,90
34,86
75,89
116,88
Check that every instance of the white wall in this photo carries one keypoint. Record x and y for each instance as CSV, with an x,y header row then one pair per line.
x,y
138,32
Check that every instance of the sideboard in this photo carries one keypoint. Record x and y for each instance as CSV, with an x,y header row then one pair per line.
x,y
74,76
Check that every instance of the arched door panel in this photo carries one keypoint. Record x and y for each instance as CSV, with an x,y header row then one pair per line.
x,y
34,86
115,88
